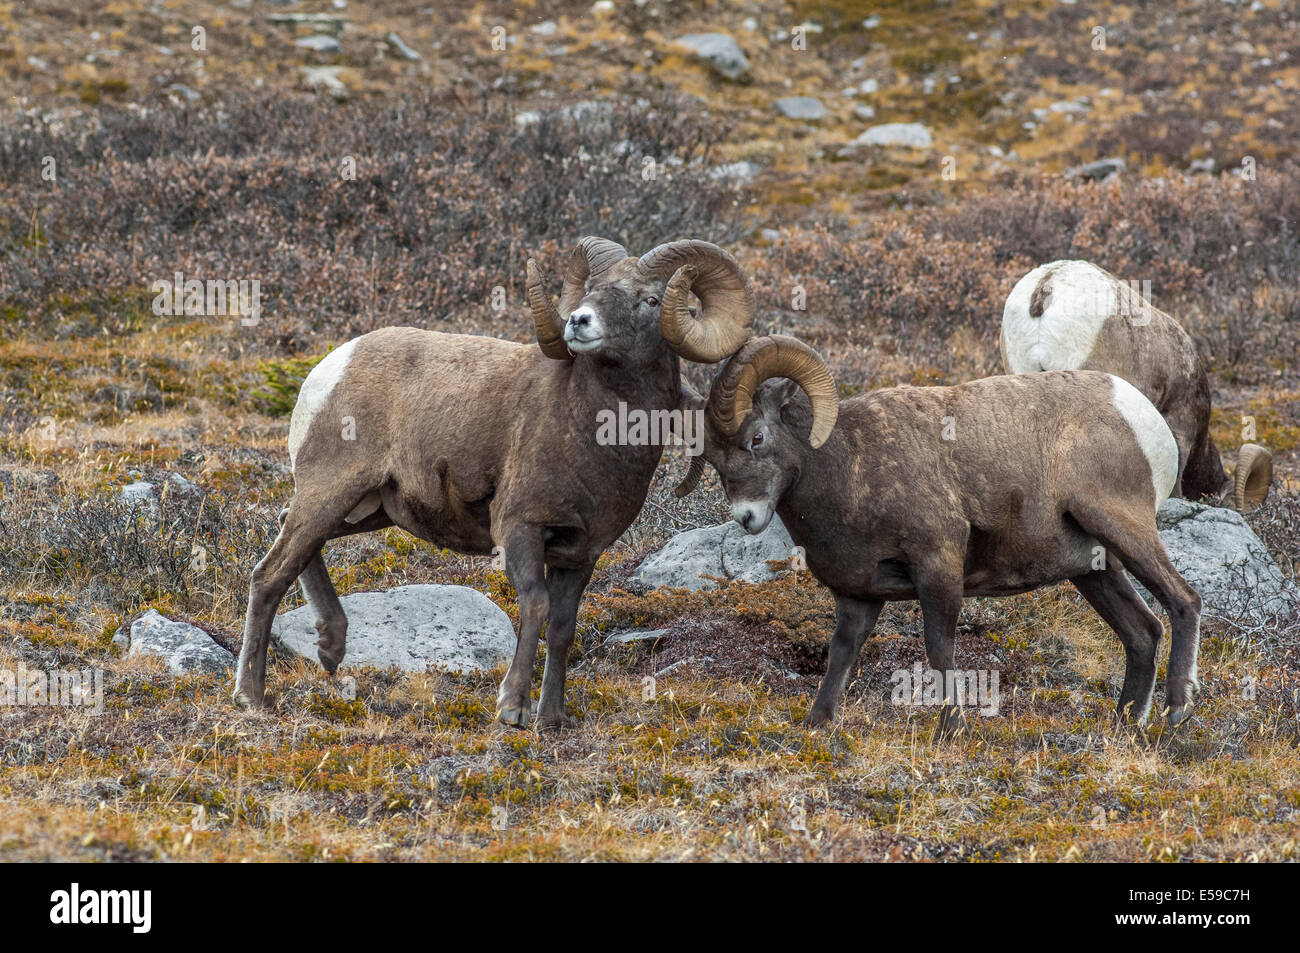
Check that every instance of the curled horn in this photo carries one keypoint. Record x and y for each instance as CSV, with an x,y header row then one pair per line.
x,y
724,290
692,478
590,257
761,359
1253,477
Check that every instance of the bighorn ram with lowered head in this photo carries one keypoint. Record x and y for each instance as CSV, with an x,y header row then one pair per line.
x,y
475,443
990,488
1072,315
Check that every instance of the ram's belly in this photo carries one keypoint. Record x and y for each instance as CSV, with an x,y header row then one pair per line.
x,y
464,526
1005,568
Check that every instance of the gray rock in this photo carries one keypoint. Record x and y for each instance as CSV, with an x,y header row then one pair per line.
x,y
864,112
186,648
140,492
319,43
330,23
725,551
736,171
326,76
1100,169
1226,563
13,477
411,627
720,51
632,636
404,51
912,135
800,107
545,28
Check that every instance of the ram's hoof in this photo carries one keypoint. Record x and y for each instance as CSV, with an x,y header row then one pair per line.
x,y
514,717
249,700
1179,715
560,722
329,662
816,719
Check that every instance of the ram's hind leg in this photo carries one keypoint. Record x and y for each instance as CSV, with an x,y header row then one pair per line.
x,y
1139,547
1112,595
331,622
303,531
938,581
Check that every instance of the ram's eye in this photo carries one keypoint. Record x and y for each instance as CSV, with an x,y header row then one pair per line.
x,y
757,440
652,301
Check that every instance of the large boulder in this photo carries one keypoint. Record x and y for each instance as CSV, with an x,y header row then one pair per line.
x,y
1226,563
411,627
185,648
725,551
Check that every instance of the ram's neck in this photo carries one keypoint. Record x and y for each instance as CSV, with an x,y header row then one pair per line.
x,y
599,386
805,509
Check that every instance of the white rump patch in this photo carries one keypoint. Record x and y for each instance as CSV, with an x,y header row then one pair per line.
x,y
1153,435
315,391
1081,297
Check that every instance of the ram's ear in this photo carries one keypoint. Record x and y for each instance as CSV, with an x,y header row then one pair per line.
x,y
779,394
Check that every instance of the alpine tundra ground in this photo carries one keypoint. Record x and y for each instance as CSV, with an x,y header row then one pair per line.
x,y
411,191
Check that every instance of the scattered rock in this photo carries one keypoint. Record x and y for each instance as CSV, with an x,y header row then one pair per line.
x,y
320,22
181,91
864,112
12,478
1099,170
1201,165
326,77
319,43
141,491
911,135
545,28
1225,562
404,51
633,636
800,107
721,53
736,171
689,660
186,648
411,627
725,551
868,86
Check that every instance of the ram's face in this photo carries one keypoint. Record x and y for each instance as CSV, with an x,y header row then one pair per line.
x,y
618,317
760,462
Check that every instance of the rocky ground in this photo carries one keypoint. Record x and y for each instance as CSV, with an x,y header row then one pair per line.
x,y
885,171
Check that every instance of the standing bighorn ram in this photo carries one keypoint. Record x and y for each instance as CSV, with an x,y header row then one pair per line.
x,y
475,443
1072,315
990,488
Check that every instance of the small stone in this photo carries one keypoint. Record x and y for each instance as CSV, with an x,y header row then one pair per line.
x,y
317,43
800,107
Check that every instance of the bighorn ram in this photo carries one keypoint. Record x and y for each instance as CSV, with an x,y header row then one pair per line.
x,y
1072,315
475,443
990,488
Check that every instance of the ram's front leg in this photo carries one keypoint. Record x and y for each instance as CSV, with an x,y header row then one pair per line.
x,y
526,571
854,620
564,588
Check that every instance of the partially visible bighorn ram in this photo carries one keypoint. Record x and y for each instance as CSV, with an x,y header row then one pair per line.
x,y
990,488
475,443
1069,315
